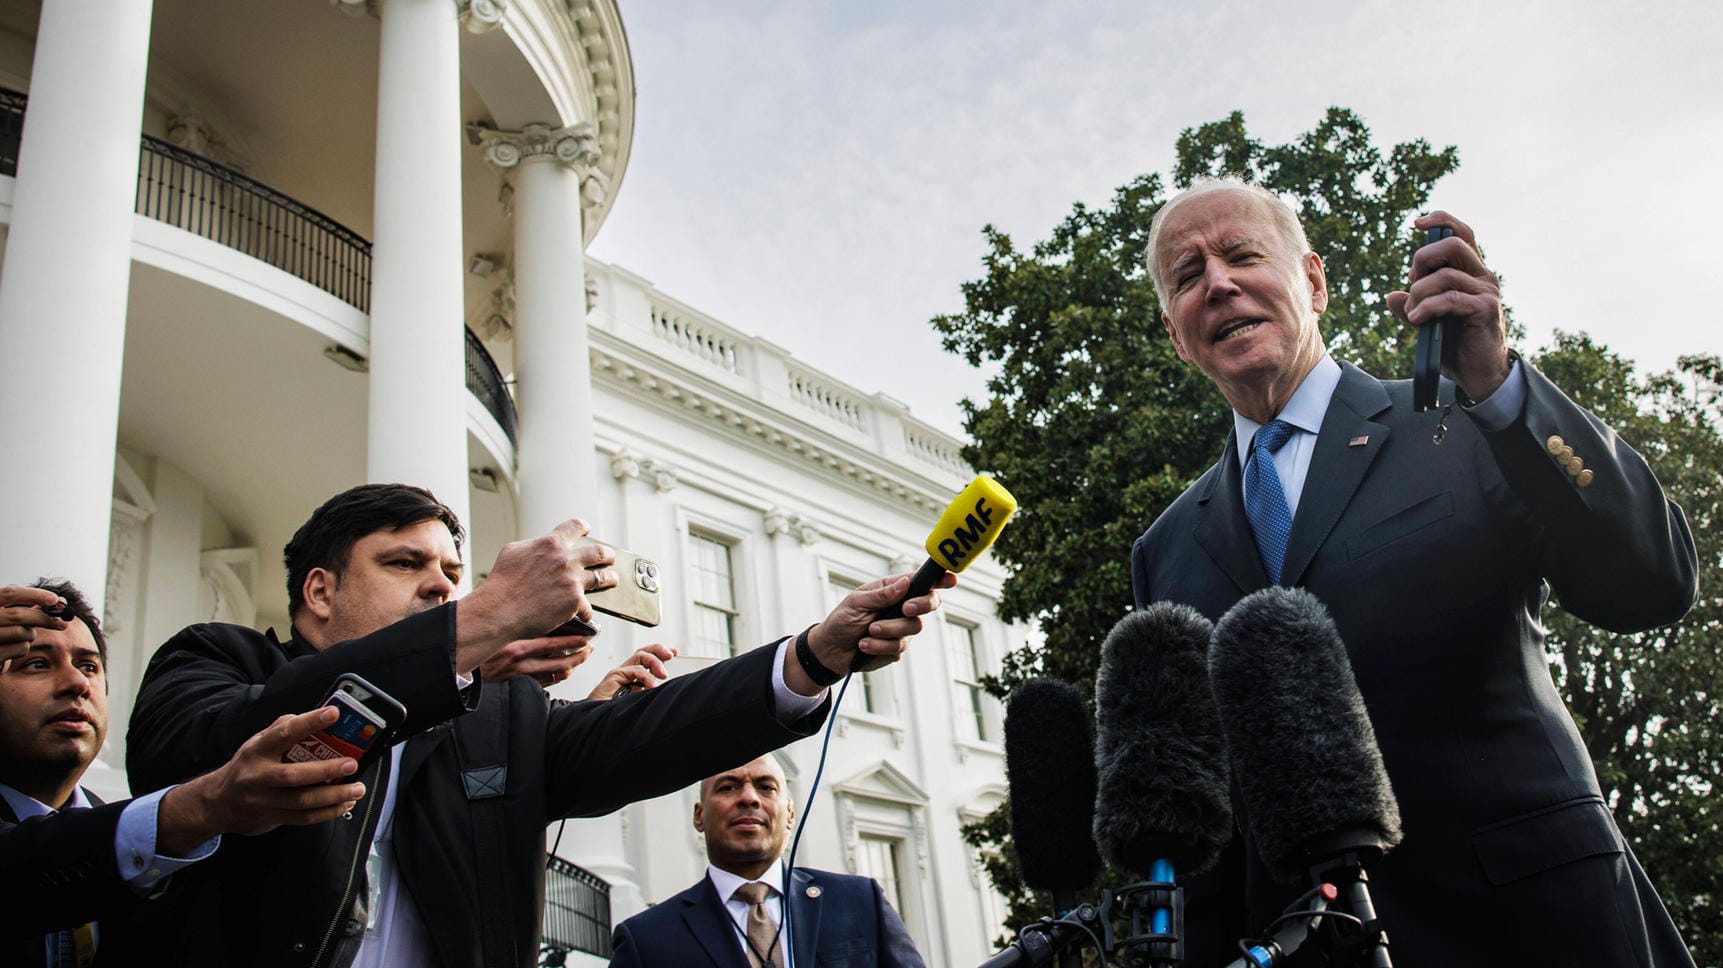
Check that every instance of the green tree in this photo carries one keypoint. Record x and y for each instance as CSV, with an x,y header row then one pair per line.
x,y
1087,383
1648,705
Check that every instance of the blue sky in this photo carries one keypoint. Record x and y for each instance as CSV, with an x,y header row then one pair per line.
x,y
817,173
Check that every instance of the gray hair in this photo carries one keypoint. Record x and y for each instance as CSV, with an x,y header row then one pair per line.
x,y
1284,217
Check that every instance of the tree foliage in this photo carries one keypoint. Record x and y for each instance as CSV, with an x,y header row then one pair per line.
x,y
1098,426
1650,706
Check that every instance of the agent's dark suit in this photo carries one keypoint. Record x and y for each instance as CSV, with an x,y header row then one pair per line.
x,y
1433,561
59,872
294,897
847,924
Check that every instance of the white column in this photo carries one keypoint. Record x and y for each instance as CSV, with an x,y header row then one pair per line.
x,y
554,450
64,290
417,418
550,171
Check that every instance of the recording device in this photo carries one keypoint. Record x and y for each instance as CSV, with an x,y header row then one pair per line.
x,y
1438,342
62,611
966,529
368,721
1315,791
636,596
1050,768
1163,807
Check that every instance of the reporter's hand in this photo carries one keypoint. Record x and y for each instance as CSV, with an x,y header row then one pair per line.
x,y
255,792
548,659
854,626
536,585
643,670
23,610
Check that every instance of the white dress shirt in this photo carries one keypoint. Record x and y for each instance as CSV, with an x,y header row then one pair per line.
x,y
775,878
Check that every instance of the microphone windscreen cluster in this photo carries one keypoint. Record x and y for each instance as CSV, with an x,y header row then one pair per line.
x,y
1308,767
1160,753
1050,766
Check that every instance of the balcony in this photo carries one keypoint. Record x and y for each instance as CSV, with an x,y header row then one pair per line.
x,y
576,913
211,200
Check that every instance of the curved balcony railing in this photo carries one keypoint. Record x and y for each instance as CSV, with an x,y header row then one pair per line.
x,y
576,912
207,198
486,382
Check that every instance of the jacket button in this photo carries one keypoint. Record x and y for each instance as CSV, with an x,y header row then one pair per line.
x,y
1576,467
1584,478
1554,444
298,946
352,927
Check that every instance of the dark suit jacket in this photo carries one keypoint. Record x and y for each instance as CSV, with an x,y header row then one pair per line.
x,y
58,872
1435,562
295,896
846,924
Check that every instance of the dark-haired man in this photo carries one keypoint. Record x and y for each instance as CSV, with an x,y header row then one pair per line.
x,y
446,866
734,917
68,859
1435,553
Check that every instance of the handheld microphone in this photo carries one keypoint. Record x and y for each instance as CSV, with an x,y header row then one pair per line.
x,y
1164,807
966,529
1315,790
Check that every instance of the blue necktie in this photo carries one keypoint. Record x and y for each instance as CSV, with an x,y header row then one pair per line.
x,y
1265,499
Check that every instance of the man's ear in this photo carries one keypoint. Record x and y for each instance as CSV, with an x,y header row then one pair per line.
x,y
319,592
1318,279
789,814
699,817
1178,344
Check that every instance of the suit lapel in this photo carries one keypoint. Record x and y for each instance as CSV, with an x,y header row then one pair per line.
x,y
1222,530
709,923
1337,464
804,916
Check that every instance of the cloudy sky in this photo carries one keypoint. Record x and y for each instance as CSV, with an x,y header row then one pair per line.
x,y
817,172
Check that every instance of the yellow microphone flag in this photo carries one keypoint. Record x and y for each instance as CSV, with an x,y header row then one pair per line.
x,y
970,523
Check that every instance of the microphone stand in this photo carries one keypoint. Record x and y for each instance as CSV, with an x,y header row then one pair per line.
x,y
1352,943
1039,943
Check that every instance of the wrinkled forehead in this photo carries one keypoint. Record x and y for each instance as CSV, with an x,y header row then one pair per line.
x,y
1216,221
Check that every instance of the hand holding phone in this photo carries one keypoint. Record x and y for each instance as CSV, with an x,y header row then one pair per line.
x,y
369,718
1438,341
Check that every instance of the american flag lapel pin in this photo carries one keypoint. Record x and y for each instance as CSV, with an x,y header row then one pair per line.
x,y
1359,440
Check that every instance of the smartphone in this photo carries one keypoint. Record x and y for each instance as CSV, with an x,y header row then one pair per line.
x,y
369,719
636,594
1438,342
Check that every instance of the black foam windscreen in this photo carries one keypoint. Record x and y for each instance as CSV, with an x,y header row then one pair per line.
x,y
1160,754
1050,766
1308,767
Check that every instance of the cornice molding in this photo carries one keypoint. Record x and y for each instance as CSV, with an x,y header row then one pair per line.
x,y
768,430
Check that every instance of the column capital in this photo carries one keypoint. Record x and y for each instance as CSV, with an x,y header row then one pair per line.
x,y
573,146
478,16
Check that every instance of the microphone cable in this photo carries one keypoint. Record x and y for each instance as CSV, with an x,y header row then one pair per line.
x,y
808,809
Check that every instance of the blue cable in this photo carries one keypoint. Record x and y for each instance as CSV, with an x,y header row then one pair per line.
x,y
790,865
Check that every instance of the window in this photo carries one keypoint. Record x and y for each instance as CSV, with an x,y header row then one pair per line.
x,y
878,859
713,586
963,641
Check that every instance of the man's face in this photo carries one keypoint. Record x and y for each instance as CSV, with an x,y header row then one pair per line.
x,y
389,576
1240,305
53,711
745,814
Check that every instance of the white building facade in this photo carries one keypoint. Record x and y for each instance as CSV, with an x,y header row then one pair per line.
x,y
258,253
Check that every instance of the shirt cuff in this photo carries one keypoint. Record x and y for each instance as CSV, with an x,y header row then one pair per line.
x,y
789,705
135,845
1501,408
